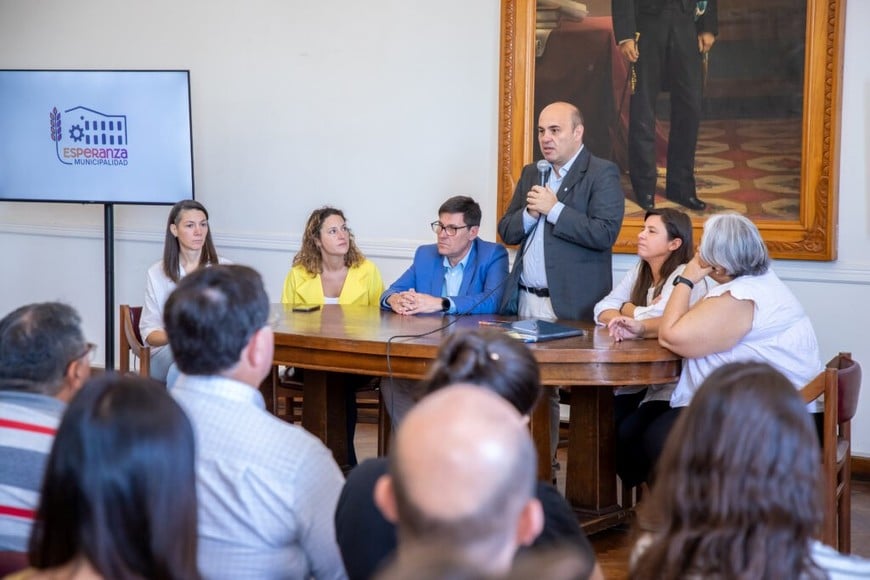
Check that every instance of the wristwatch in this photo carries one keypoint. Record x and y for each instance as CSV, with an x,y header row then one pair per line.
x,y
445,304
682,280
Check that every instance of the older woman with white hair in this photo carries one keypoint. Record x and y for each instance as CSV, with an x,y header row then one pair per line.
x,y
750,316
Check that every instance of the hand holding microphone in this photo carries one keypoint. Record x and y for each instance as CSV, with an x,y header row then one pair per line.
x,y
540,199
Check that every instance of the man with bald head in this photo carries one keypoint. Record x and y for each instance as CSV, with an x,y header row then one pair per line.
x,y
566,220
462,474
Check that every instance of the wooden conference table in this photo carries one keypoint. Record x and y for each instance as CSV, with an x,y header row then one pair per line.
x,y
347,339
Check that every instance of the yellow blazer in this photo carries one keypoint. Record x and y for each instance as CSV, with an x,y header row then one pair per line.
x,y
362,287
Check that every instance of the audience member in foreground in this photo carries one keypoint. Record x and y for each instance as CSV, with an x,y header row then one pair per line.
x,y
664,246
119,497
44,360
330,269
737,493
433,562
462,474
750,315
267,489
493,361
461,274
186,248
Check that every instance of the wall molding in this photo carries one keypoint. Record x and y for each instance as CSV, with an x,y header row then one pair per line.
x,y
839,272
373,248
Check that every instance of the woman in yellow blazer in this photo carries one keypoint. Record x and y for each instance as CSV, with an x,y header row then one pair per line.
x,y
329,268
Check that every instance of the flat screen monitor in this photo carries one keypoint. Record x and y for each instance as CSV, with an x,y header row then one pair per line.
x,y
95,136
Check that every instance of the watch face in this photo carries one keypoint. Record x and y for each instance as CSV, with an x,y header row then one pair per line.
x,y
445,304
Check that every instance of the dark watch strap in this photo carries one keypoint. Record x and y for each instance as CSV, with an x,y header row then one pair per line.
x,y
682,280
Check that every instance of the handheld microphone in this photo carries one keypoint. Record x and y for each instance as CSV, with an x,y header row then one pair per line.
x,y
544,169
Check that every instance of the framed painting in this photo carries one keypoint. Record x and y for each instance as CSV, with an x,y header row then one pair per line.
x,y
769,133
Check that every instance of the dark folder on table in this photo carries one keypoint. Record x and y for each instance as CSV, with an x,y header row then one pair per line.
x,y
536,330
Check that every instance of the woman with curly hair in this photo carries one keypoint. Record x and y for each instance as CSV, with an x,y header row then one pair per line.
x,y
329,268
737,488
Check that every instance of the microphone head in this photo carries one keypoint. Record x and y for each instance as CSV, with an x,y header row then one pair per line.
x,y
543,165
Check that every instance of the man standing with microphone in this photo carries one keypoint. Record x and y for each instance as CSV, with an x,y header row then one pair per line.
x,y
566,219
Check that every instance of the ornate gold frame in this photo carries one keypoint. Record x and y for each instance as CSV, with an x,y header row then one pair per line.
x,y
811,237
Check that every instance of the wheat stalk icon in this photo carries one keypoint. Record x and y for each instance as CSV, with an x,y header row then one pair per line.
x,y
56,132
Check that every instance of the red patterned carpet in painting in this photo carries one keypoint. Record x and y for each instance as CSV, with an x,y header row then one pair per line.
x,y
750,166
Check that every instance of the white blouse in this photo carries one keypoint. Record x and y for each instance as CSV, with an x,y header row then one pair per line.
x,y
622,294
158,287
781,335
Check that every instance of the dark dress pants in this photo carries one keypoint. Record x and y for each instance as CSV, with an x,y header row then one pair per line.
x,y
669,58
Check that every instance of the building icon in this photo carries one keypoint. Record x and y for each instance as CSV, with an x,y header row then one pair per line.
x,y
96,128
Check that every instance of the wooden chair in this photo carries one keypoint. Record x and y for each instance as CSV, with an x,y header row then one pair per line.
x,y
131,340
840,383
283,395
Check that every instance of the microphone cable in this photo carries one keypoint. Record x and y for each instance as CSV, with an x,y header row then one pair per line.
x,y
456,317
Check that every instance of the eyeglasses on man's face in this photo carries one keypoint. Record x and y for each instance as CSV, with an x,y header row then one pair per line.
x,y
90,351
451,231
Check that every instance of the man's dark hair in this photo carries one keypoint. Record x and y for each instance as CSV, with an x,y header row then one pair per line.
x,y
37,344
212,314
463,204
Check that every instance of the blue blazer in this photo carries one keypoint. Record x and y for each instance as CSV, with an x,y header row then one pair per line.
x,y
482,280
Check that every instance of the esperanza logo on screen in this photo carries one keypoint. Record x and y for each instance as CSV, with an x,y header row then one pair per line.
x,y
94,139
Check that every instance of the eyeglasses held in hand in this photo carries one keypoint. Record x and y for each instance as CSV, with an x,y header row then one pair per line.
x,y
451,231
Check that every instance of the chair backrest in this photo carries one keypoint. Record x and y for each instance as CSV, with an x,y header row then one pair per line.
x,y
131,340
825,384
848,385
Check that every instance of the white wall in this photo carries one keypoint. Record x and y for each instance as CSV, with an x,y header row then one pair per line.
x,y
383,108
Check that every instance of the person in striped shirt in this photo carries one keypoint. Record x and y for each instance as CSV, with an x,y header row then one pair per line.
x,y
44,361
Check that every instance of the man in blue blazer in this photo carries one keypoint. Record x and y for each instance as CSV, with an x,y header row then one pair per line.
x,y
461,274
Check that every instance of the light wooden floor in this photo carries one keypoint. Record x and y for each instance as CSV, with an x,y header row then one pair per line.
x,y
612,547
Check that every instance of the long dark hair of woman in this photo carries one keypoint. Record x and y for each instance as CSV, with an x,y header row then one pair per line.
x,y
171,260
119,486
738,484
678,226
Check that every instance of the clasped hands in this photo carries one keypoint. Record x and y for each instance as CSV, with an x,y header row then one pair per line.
x,y
540,200
410,302
626,327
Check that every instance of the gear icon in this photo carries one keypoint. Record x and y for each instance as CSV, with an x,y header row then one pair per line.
x,y
76,133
